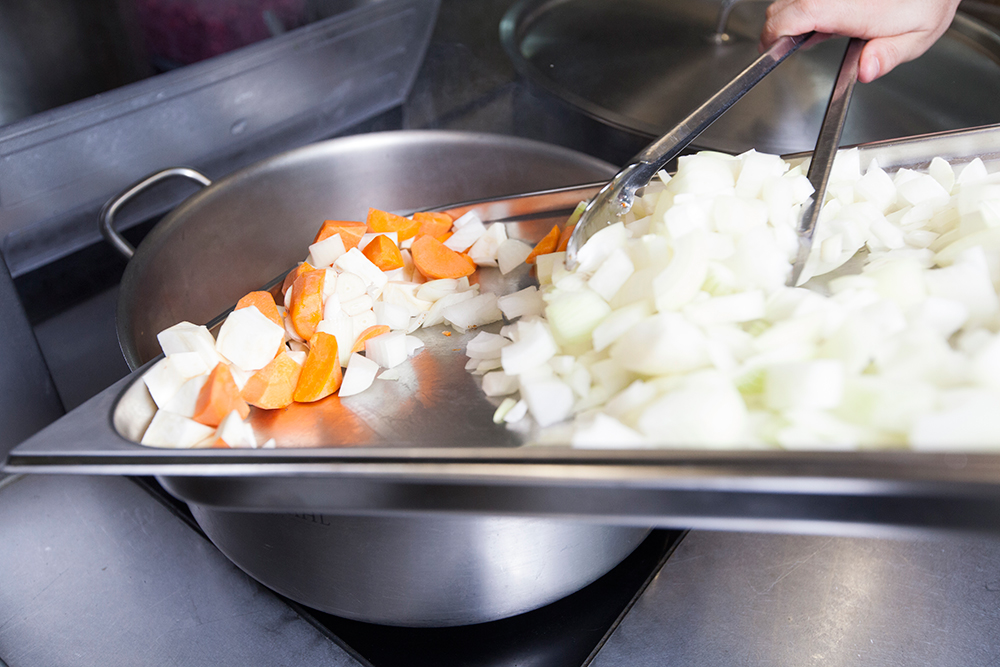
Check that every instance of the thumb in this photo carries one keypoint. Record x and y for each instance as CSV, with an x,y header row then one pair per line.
x,y
880,56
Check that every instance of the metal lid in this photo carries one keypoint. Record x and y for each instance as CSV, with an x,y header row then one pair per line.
x,y
642,65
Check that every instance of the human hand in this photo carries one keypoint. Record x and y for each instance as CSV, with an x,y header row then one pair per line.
x,y
897,30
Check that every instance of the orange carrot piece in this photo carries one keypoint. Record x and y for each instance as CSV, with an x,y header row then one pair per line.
x,y
295,273
272,387
350,232
564,237
383,253
434,259
264,302
220,444
370,332
218,397
321,374
545,246
306,308
383,221
433,224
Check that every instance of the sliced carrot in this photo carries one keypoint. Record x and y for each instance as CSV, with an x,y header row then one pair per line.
x,y
220,444
321,374
383,253
272,387
545,246
433,224
564,237
295,273
218,397
264,302
436,260
306,308
370,332
350,232
382,221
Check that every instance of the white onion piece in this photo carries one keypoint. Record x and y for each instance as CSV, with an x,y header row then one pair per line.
x,y
388,350
486,345
359,375
524,303
498,383
511,254
474,312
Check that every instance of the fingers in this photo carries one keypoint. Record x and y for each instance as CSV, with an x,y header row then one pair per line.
x,y
880,56
786,17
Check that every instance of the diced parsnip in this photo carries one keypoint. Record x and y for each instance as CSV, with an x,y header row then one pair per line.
x,y
323,254
248,339
172,430
187,337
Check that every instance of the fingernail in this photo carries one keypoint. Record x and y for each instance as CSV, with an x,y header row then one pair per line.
x,y
871,69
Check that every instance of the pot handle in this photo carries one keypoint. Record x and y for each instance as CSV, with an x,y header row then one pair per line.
x,y
107,217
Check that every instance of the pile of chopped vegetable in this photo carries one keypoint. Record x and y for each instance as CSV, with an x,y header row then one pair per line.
x,y
676,329
345,314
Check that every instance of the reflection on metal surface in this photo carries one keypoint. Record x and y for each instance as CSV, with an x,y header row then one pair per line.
x,y
641,65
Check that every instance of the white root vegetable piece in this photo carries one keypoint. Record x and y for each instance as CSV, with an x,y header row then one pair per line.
x,y
248,339
340,327
357,305
359,375
172,430
524,303
167,376
465,236
391,315
322,255
184,401
405,295
349,286
475,312
511,254
484,251
235,432
187,337
354,261
387,350
498,383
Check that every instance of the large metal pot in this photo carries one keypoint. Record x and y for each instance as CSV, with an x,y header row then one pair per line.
x,y
243,231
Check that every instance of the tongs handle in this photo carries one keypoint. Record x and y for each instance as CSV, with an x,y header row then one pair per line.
x,y
823,155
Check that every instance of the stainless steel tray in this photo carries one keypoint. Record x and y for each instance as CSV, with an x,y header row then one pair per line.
x,y
453,458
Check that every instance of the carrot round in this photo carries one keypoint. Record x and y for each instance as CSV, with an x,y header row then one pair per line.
x,y
264,302
545,246
306,308
370,332
272,387
383,253
350,232
295,273
435,260
218,397
321,374
433,224
383,221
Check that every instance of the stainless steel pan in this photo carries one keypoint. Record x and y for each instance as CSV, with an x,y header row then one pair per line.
x,y
243,231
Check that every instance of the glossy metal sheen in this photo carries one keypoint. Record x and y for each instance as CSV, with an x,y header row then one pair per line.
x,y
823,155
640,65
615,199
252,226
431,571
840,492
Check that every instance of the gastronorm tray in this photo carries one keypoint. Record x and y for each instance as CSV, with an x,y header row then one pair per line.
x,y
456,460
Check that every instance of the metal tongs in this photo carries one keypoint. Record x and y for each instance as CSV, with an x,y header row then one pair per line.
x,y
616,198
